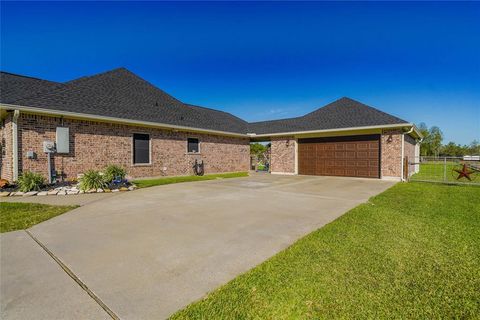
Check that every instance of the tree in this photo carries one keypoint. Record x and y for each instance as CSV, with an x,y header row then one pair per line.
x,y
432,140
257,148
474,148
436,137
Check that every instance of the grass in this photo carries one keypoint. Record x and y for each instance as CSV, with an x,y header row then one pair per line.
x,y
18,216
437,171
168,180
410,252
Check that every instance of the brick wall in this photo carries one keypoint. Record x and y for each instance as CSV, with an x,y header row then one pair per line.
x,y
6,170
391,153
409,151
283,155
94,145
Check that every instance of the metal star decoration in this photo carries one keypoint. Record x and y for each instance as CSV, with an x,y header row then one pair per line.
x,y
464,172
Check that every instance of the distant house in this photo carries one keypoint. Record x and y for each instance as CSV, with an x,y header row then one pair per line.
x,y
117,117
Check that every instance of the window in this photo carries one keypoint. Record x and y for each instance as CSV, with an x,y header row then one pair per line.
x,y
141,148
193,146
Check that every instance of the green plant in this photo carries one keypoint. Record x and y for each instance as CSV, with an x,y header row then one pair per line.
x,y
30,181
113,172
92,179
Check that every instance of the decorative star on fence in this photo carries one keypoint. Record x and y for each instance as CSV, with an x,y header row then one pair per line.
x,y
464,172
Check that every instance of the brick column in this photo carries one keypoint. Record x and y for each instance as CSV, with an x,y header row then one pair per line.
x,y
283,155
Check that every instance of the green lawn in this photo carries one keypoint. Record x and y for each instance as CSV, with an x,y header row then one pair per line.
x,y
168,180
18,216
410,252
437,171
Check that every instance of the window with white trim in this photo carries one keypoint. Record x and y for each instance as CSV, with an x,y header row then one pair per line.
x,y
141,148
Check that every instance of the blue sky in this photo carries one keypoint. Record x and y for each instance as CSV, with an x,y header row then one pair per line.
x,y
419,61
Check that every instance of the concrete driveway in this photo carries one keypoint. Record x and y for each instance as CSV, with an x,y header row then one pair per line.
x,y
147,253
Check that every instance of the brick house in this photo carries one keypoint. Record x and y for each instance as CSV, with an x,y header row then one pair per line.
x,y
118,118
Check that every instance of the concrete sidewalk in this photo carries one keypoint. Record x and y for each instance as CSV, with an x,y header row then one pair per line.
x,y
150,252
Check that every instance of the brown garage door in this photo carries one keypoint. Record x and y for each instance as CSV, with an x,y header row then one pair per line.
x,y
350,156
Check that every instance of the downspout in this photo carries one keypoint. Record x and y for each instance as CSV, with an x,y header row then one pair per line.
x,y
16,114
403,152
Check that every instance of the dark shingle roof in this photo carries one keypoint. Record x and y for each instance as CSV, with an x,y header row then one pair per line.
x,y
14,86
121,94
342,113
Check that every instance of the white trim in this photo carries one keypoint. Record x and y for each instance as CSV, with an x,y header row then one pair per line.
x,y
399,125
16,114
120,120
284,173
184,128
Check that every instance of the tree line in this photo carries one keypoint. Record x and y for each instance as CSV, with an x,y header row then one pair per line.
x,y
432,144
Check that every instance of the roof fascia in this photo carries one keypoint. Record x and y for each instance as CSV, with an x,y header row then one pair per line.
x,y
389,126
84,116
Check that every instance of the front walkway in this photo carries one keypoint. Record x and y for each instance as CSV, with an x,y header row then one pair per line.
x,y
147,253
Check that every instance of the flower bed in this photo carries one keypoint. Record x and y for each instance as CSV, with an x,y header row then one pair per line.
x,y
31,184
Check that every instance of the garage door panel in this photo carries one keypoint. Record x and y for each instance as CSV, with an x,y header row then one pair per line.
x,y
340,155
355,156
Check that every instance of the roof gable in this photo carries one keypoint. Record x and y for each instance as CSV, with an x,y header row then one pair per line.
x,y
120,93
340,114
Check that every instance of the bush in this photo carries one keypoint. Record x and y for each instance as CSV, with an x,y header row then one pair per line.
x,y
113,172
92,180
30,181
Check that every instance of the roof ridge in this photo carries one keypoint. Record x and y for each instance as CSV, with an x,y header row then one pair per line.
x,y
83,78
282,119
27,77
213,109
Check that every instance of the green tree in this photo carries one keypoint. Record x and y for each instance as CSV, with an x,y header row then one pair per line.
x,y
432,140
474,148
257,148
436,137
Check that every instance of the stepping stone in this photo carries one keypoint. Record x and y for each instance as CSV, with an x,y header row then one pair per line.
x,y
42,193
4,194
123,189
61,193
30,193
19,193
99,190
107,190
115,190
131,188
52,192
73,192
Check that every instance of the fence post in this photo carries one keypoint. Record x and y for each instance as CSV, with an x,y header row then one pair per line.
x,y
444,169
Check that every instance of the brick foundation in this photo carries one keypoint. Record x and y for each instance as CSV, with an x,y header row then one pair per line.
x,y
94,145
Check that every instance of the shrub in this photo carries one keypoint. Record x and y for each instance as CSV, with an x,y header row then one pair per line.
x,y
30,181
113,172
92,180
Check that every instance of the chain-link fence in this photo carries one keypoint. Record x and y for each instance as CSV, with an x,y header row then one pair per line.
x,y
452,170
